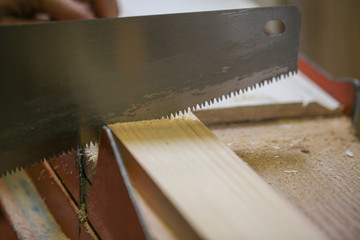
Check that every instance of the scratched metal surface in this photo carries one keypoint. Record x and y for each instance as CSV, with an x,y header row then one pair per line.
x,y
61,78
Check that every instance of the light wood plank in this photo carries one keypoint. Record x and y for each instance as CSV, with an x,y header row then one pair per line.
x,y
262,112
217,193
25,209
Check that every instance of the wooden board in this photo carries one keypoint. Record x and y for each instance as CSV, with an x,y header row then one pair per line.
x,y
205,184
262,112
313,162
25,209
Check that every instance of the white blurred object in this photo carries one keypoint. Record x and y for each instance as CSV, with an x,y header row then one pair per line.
x,y
153,7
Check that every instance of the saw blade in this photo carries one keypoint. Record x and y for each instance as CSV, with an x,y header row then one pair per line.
x,y
62,78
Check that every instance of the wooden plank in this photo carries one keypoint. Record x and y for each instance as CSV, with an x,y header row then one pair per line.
x,y
13,213
218,194
262,112
314,162
26,211
157,228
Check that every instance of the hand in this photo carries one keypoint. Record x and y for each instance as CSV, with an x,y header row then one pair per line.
x,y
28,11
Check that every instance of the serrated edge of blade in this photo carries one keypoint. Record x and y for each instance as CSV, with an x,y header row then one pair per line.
x,y
27,165
173,115
231,94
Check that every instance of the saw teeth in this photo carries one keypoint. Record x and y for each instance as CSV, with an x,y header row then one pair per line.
x,y
236,93
20,168
91,144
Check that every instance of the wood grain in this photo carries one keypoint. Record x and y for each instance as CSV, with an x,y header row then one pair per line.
x,y
217,193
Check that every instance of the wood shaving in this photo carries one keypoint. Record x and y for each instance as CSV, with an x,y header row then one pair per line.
x,y
349,153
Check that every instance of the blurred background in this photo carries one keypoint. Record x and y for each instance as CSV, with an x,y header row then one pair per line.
x,y
330,33
330,28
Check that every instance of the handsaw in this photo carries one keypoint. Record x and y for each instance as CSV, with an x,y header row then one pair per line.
x,y
64,78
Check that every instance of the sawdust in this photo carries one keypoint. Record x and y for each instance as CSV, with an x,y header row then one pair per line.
x,y
304,160
91,156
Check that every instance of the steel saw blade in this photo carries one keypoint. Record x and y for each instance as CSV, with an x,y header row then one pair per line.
x,y
62,78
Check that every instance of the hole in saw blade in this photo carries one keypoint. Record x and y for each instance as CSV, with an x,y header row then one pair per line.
x,y
274,28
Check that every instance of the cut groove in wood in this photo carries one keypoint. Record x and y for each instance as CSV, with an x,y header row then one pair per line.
x,y
213,189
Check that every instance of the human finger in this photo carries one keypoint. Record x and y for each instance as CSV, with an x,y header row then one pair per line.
x,y
12,20
105,8
67,9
